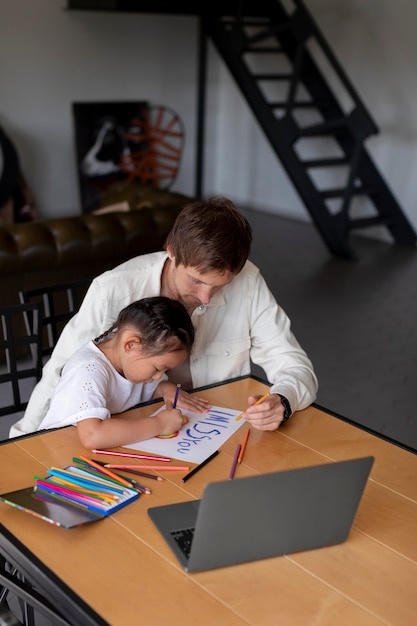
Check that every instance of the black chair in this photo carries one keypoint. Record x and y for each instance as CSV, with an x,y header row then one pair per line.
x,y
20,370
59,303
20,355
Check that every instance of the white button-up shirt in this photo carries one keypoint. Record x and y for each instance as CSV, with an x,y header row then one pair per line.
x,y
242,322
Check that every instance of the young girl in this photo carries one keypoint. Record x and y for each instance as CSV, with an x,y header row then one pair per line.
x,y
126,365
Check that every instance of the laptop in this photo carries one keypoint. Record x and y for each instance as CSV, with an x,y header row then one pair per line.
x,y
257,517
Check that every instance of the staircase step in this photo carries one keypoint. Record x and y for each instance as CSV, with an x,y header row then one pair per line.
x,y
264,49
280,76
330,162
341,192
297,104
367,222
325,128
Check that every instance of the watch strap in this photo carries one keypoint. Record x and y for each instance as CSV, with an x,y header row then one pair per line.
x,y
287,408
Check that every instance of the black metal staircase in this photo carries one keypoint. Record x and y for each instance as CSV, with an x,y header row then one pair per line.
x,y
312,116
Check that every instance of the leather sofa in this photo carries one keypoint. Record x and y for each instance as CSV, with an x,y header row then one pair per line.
x,y
54,251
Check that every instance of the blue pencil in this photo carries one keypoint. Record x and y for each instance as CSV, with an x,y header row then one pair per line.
x,y
85,482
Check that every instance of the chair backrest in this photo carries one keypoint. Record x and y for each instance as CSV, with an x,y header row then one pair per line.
x,y
59,303
20,355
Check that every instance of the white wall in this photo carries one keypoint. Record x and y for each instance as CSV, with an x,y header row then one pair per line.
x,y
50,57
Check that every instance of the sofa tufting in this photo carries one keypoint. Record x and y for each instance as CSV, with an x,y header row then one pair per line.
x,y
54,251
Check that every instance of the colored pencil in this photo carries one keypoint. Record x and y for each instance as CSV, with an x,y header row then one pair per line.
x,y
74,492
98,473
141,488
133,456
239,417
243,448
93,482
62,499
202,464
78,486
78,499
106,471
161,468
132,471
177,392
135,484
235,458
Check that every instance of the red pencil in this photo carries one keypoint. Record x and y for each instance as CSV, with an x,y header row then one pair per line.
x,y
162,468
133,456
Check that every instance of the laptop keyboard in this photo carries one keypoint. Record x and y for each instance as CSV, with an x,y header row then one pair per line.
x,y
184,539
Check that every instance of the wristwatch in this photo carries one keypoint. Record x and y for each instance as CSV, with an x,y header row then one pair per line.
x,y
287,408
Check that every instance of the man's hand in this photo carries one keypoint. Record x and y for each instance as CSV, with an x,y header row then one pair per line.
x,y
265,416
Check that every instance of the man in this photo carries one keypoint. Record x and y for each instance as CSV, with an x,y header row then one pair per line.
x,y
205,266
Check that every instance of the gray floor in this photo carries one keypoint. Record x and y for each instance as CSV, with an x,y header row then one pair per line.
x,y
356,320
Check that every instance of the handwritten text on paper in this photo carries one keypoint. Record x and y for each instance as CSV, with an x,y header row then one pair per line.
x,y
201,436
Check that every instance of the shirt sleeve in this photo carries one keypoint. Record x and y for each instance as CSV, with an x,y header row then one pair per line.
x,y
81,394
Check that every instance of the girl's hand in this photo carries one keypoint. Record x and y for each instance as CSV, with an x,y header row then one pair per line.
x,y
193,403
169,421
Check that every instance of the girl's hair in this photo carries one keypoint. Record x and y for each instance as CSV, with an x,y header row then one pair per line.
x,y
210,236
162,323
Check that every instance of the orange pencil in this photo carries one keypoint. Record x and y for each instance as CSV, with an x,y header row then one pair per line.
x,y
243,448
239,417
106,471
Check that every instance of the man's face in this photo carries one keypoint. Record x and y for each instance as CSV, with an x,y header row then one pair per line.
x,y
194,288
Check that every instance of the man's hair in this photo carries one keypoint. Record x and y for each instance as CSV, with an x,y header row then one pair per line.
x,y
210,236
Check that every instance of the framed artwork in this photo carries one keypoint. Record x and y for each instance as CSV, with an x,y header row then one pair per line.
x,y
124,141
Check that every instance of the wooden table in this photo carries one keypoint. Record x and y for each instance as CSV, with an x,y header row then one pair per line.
x,y
122,569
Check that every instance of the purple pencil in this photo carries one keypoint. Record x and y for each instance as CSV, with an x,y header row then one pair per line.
x,y
177,392
235,458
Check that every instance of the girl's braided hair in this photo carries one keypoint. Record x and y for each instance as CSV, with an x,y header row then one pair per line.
x,y
163,324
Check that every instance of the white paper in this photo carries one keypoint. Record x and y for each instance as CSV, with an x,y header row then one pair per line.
x,y
204,433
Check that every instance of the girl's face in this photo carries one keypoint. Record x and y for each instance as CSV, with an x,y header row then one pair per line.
x,y
138,368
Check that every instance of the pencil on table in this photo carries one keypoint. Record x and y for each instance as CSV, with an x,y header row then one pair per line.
x,y
243,448
105,471
198,467
134,471
235,458
159,468
130,455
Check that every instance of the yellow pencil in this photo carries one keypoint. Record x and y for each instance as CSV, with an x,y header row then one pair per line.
x,y
243,448
239,417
